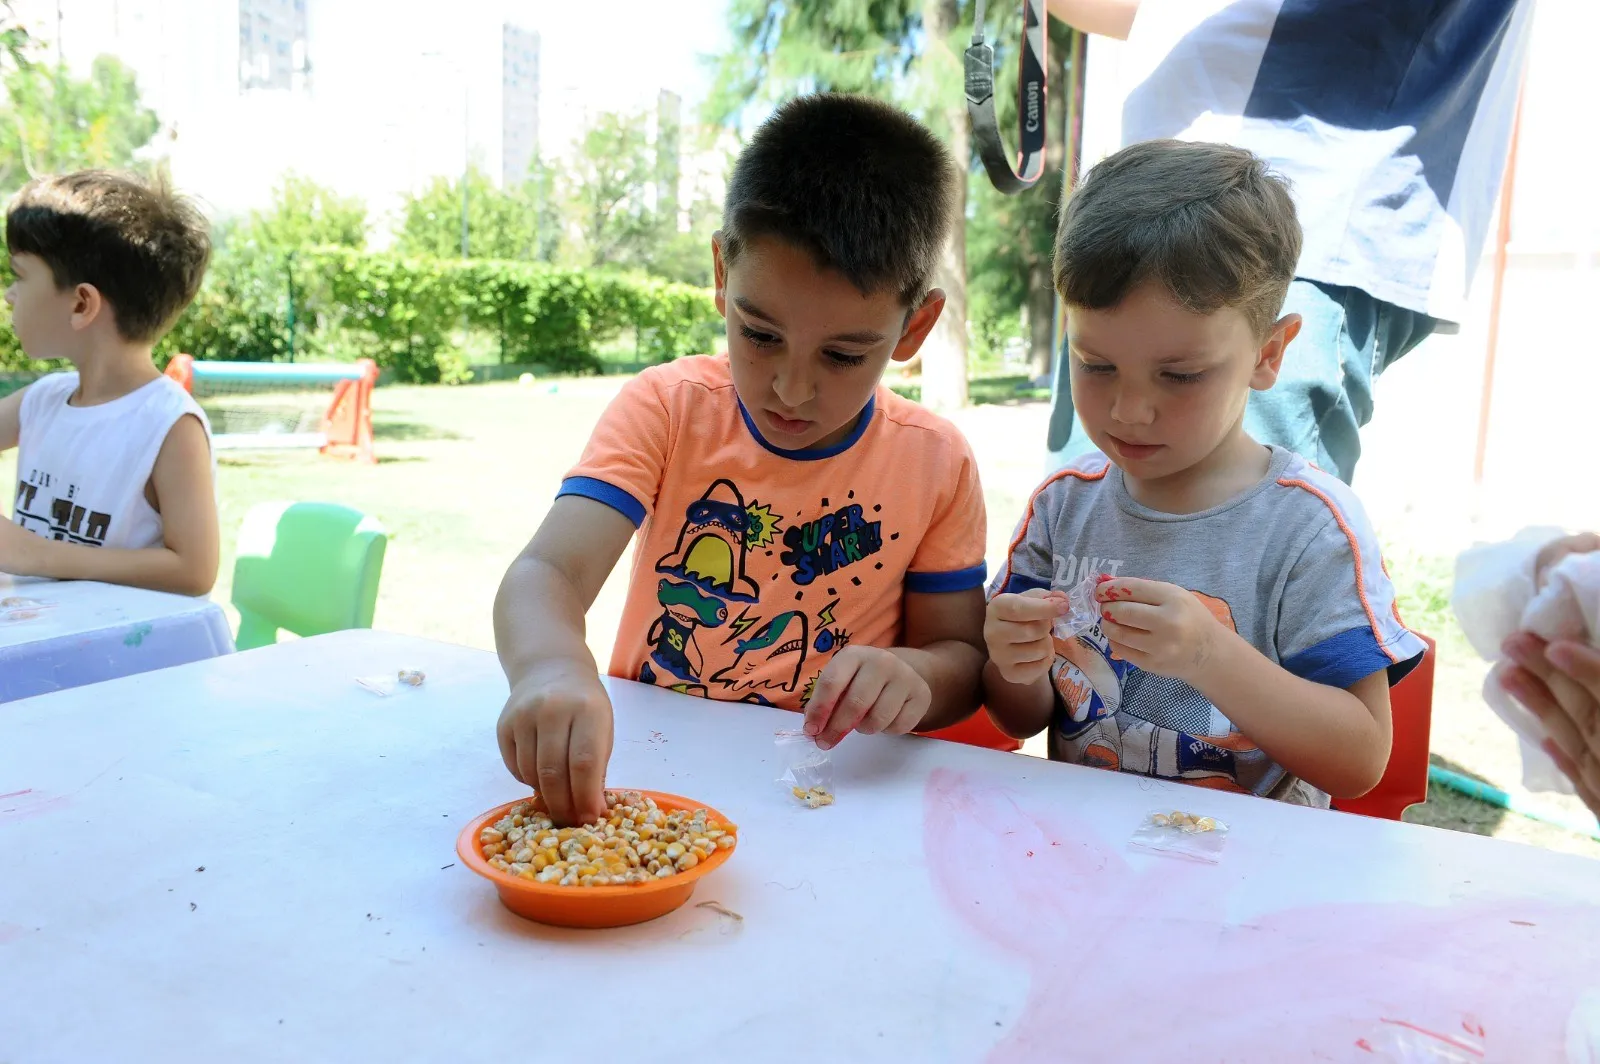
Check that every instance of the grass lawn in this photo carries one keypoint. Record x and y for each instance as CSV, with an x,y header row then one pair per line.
x,y
466,474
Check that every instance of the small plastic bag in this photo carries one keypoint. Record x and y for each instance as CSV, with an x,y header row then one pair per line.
x,y
1180,834
1085,612
16,610
807,768
384,686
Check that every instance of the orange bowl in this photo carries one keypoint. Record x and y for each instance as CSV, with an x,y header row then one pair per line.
x,y
608,906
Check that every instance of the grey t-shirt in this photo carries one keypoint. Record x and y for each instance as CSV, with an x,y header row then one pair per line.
x,y
1291,564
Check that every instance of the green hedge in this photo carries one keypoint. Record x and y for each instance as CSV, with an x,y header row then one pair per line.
x,y
409,313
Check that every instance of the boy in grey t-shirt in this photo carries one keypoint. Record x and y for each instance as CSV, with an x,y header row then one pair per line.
x,y
1249,634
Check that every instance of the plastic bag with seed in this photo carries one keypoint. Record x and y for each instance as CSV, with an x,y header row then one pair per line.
x,y
803,763
22,609
1180,834
1085,613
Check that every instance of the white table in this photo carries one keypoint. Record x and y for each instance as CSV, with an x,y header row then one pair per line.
x,y
955,905
93,632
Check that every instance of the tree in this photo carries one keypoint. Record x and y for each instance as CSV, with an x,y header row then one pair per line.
x,y
501,223
304,214
14,40
605,189
904,51
52,122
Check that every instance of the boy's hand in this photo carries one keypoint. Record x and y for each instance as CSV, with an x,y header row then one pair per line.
x,y
1160,628
1016,630
1552,553
555,735
1560,682
869,690
17,555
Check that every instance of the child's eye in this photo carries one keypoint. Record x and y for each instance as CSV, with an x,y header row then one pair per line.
x,y
1096,367
844,361
759,338
1185,378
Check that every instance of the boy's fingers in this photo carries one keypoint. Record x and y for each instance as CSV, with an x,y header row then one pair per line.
x,y
909,716
830,685
866,686
551,777
1019,632
1132,615
1132,589
1030,607
587,753
508,748
884,710
1125,637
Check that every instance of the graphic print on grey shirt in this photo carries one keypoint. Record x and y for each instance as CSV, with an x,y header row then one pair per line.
x,y
1290,564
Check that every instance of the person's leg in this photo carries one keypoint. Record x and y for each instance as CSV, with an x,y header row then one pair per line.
x,y
1324,394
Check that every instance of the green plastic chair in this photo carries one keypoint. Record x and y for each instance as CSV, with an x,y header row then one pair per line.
x,y
308,567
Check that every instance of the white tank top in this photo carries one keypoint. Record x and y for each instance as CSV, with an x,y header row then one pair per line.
x,y
82,470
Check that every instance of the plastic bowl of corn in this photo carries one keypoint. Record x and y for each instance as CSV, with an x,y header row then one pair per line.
x,y
640,862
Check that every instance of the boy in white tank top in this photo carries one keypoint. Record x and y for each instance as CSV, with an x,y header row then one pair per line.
x,y
114,471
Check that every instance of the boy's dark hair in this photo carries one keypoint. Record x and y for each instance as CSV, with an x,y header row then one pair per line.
x,y
142,245
1210,222
860,184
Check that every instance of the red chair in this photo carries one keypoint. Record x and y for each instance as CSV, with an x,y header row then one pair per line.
x,y
978,730
1405,780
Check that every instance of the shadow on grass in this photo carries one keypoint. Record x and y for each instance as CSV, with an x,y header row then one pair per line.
x,y
1447,808
410,431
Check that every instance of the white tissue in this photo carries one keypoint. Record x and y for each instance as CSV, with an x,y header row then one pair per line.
x,y
1495,597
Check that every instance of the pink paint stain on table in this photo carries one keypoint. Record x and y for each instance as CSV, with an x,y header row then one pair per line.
x,y
1147,964
28,803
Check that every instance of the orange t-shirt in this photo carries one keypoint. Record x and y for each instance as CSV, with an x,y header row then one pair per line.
x,y
755,564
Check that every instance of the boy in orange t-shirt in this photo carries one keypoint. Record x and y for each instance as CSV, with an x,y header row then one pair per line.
x,y
807,538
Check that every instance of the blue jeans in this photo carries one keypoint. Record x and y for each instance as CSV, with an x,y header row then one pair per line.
x,y
1324,394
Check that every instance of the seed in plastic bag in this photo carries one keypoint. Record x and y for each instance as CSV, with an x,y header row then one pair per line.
x,y
412,677
814,797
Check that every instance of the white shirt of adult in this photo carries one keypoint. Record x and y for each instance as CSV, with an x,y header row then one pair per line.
x,y
1392,121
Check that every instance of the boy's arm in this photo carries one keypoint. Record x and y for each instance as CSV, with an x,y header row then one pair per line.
x,y
185,563
1335,739
1017,626
944,646
1021,710
555,730
11,419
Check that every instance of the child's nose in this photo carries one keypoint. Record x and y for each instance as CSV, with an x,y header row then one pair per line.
x,y
793,385
1131,407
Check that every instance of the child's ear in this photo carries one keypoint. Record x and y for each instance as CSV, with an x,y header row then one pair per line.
x,y
87,306
1269,360
720,269
918,325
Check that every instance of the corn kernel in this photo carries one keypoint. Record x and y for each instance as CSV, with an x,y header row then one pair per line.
x,y
636,842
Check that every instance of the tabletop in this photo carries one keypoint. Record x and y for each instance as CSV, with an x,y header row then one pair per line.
x,y
252,858
82,632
